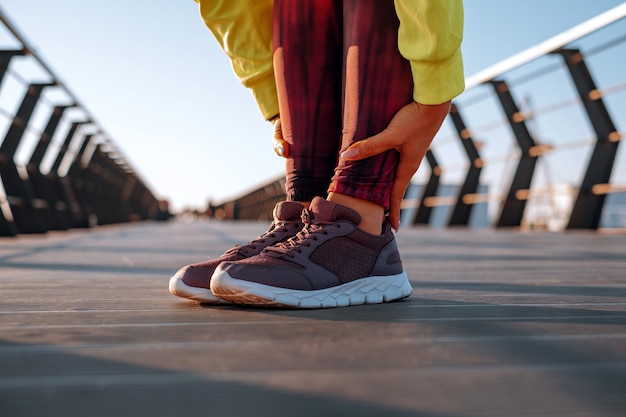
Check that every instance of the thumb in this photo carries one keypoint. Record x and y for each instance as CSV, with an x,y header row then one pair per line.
x,y
404,175
368,147
280,145
397,195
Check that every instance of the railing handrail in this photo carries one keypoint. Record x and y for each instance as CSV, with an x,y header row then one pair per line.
x,y
550,45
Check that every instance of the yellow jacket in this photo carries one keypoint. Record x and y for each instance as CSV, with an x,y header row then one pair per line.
x,y
429,36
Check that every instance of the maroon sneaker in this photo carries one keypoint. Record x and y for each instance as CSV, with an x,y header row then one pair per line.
x,y
329,263
193,281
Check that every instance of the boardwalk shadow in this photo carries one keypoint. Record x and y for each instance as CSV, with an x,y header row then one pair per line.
x,y
589,366
46,381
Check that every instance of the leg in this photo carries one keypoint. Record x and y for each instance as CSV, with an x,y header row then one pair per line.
x,y
307,63
378,82
310,107
331,262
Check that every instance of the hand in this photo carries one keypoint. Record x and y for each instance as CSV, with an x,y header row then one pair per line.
x,y
410,132
281,147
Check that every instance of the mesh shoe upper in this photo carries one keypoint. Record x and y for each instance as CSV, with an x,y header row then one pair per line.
x,y
287,222
329,251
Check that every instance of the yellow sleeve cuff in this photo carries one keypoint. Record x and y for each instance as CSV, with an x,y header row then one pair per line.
x,y
264,92
244,31
435,82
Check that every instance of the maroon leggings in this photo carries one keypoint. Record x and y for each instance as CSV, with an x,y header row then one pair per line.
x,y
340,79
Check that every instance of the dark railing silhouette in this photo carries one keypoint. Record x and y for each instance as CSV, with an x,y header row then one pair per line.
x,y
89,182
518,199
564,58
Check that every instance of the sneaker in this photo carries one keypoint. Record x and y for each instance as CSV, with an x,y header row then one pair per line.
x,y
193,281
329,263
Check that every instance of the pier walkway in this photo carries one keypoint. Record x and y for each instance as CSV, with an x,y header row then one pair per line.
x,y
500,323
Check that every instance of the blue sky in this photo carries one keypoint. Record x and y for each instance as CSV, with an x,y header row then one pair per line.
x,y
156,81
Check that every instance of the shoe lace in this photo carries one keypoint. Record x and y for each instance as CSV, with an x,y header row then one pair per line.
x,y
274,229
308,234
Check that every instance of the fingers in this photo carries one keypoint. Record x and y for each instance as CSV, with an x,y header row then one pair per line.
x,y
404,174
281,147
366,148
401,130
394,215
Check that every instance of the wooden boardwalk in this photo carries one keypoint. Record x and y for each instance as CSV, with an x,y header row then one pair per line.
x,y
499,324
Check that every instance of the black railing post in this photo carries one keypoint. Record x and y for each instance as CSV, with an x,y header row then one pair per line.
x,y
26,209
44,186
65,190
7,224
44,140
75,180
5,60
463,208
424,210
588,205
103,181
512,210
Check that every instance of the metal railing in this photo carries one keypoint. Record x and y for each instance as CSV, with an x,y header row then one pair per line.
x,y
76,178
573,122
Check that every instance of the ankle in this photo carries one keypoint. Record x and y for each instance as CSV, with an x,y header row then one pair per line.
x,y
305,204
372,215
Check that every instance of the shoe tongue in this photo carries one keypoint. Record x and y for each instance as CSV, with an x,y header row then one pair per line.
x,y
328,211
287,211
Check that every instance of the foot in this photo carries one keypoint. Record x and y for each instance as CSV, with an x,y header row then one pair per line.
x,y
329,263
193,281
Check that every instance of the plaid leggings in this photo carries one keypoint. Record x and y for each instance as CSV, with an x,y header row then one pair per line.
x,y
340,78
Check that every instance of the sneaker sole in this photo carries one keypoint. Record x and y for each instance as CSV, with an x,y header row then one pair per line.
x,y
179,288
370,290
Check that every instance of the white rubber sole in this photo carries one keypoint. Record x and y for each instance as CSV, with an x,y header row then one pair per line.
x,y
370,290
179,288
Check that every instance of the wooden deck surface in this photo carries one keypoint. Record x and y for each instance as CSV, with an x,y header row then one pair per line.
x,y
500,323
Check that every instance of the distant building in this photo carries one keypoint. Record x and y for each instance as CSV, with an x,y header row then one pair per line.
x,y
550,208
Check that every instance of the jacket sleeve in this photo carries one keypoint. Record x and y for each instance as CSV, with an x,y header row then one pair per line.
x,y
244,31
430,36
